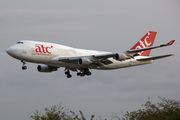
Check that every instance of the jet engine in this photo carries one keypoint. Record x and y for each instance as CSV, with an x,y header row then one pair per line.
x,y
45,68
120,56
84,61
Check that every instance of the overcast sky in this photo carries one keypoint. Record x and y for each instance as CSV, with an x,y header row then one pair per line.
x,y
108,25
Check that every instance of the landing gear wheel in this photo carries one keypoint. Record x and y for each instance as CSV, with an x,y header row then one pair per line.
x,y
88,73
68,73
82,74
69,76
78,74
24,67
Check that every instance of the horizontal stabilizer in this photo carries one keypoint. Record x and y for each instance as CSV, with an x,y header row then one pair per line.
x,y
154,58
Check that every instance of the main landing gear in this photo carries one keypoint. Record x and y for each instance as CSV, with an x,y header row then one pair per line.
x,y
83,72
24,67
68,74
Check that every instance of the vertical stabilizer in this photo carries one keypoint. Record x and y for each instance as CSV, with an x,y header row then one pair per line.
x,y
146,41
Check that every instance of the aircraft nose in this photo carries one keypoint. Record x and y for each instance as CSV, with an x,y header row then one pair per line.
x,y
9,50
12,51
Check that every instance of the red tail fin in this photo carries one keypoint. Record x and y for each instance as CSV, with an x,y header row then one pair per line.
x,y
146,41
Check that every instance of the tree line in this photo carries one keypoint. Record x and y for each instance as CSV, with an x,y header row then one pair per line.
x,y
165,110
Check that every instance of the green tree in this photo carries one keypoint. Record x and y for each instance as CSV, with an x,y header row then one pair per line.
x,y
165,110
57,112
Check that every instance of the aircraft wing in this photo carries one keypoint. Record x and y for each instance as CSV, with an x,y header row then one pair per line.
x,y
132,52
135,51
99,56
102,59
154,58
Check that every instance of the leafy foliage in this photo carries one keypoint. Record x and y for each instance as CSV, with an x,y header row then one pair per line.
x,y
165,110
57,112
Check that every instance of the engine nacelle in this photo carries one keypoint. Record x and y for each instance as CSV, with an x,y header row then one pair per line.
x,y
84,61
120,56
45,68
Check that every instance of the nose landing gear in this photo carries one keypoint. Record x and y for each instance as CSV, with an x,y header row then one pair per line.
x,y
23,67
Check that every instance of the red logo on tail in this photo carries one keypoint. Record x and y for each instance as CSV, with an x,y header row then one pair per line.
x,y
146,41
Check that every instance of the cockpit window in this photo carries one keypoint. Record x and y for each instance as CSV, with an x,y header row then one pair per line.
x,y
19,42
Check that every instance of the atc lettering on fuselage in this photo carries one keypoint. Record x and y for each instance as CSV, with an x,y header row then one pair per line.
x,y
41,50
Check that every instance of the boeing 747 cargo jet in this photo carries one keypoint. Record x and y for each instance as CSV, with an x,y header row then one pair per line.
x,y
50,56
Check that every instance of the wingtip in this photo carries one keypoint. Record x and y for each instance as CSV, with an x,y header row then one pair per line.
x,y
171,42
171,54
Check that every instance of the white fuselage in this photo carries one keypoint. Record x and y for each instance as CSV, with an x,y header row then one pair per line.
x,y
50,56
48,53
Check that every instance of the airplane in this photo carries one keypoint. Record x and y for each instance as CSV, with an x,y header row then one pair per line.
x,y
51,56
